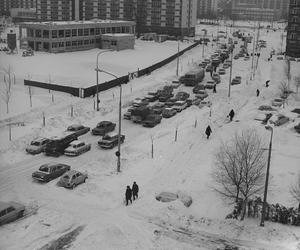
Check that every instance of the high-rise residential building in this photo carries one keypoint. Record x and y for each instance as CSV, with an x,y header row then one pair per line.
x,y
224,8
293,30
6,5
207,9
174,17
264,10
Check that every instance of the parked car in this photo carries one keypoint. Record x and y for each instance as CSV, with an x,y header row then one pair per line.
x,y
222,71
210,84
165,96
138,102
152,120
279,120
157,108
27,53
57,145
150,98
202,94
202,64
236,57
266,108
175,84
72,178
170,102
182,96
180,105
197,88
50,171
189,102
236,80
209,68
205,103
10,211
278,102
77,147
103,128
246,58
127,115
78,129
196,101
108,141
37,146
297,128
168,112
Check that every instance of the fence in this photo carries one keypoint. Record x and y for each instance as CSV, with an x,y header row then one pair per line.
x,y
86,92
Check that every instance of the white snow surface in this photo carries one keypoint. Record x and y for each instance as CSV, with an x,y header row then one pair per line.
x,y
183,166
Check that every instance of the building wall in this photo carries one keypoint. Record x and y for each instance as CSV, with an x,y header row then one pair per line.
x,y
6,5
293,30
207,8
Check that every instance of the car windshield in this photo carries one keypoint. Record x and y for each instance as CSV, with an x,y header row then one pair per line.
x,y
35,143
66,177
178,104
44,169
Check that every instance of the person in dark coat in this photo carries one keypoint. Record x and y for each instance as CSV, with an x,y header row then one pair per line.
x,y
135,190
128,195
231,115
208,131
257,92
215,88
267,83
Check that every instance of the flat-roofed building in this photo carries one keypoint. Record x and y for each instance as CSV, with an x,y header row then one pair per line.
x,y
293,30
23,15
73,35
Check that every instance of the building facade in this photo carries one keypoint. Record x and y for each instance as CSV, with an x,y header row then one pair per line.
x,y
7,5
293,30
263,10
173,17
23,15
76,35
207,9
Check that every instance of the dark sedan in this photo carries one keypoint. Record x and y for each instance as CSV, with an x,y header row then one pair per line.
x,y
50,171
103,128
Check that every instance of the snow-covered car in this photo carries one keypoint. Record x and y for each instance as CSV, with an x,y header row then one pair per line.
x,y
10,211
297,128
72,178
182,96
103,128
37,146
78,129
77,147
205,103
216,77
170,102
109,142
246,58
150,98
210,84
50,171
127,115
168,112
198,87
138,102
236,57
180,105
266,108
222,71
175,84
202,94
279,120
277,102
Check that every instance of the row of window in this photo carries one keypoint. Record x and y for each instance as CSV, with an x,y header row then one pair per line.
x,y
75,43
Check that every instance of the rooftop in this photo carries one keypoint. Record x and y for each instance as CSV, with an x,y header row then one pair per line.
x,y
94,21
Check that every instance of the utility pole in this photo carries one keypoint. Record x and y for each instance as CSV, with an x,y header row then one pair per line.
x,y
230,73
252,64
119,132
177,57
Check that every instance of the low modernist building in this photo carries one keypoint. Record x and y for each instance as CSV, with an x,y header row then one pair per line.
x,y
23,15
117,41
73,35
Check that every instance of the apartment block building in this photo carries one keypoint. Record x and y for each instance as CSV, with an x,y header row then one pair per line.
x,y
207,9
173,17
7,5
264,10
293,30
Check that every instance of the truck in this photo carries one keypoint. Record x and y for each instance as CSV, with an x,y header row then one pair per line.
x,y
109,142
193,77
152,120
139,114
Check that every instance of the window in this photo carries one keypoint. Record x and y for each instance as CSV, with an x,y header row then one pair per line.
x,y
68,33
74,43
74,32
80,42
38,33
61,33
61,44
46,33
113,43
97,31
80,32
86,42
54,45
102,30
92,31
86,32
68,44
54,33
92,41
108,30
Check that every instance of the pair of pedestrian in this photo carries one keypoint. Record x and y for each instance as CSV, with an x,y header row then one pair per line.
x,y
131,193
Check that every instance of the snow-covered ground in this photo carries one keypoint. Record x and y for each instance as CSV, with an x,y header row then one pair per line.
x,y
94,212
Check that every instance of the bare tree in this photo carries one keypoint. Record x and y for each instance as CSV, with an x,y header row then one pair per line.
x,y
295,191
287,72
297,82
240,164
6,93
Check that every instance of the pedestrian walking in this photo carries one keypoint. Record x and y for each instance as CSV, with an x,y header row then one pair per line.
x,y
215,88
208,131
257,92
231,114
267,83
128,195
135,190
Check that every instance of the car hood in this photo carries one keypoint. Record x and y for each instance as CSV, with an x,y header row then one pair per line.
x,y
98,129
70,149
32,148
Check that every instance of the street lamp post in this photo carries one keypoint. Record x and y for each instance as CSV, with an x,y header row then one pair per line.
x,y
118,153
177,66
97,78
262,222
230,73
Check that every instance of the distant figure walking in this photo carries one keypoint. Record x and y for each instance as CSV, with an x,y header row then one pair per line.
x,y
257,92
128,195
215,88
135,190
267,83
231,114
208,131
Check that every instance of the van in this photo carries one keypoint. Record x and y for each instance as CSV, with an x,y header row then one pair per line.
x,y
193,77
